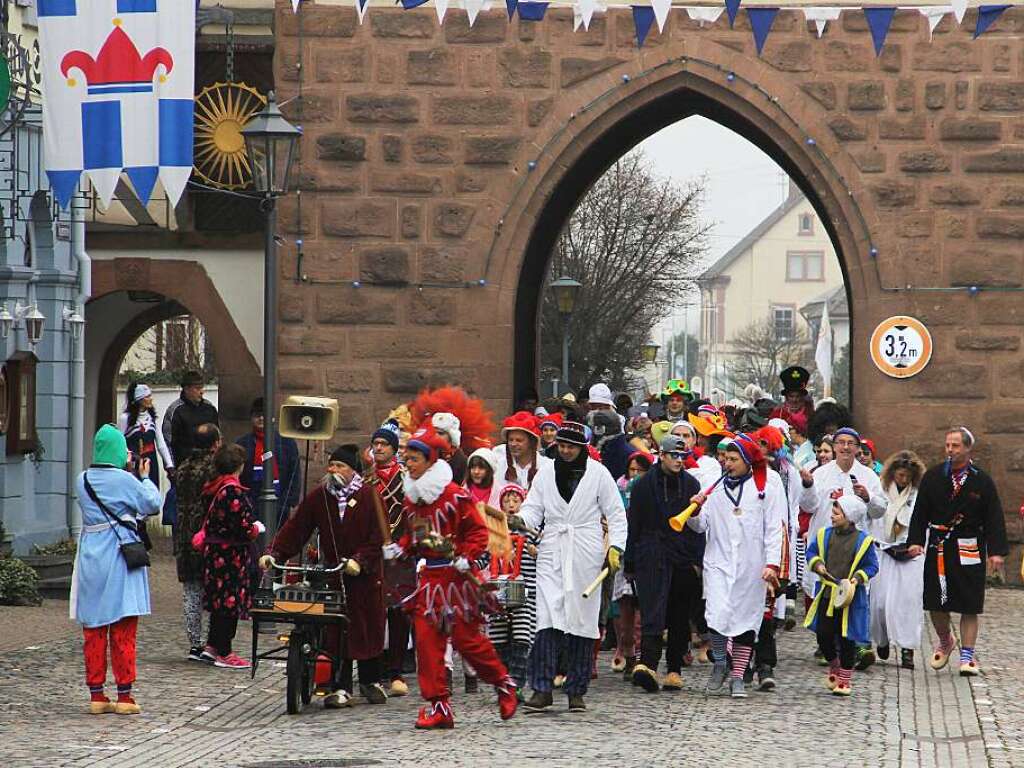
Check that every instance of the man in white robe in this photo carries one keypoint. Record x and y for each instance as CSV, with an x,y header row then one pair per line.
x,y
743,518
569,497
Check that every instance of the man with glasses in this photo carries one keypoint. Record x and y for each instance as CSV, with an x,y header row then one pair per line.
x,y
664,564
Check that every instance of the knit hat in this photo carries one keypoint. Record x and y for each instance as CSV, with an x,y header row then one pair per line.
x,y
514,489
848,431
642,456
448,424
488,457
110,447
256,409
600,394
524,421
348,454
387,431
751,453
869,444
604,423
855,510
426,441
549,420
141,393
572,432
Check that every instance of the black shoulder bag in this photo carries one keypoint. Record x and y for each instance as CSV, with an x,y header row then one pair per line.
x,y
134,552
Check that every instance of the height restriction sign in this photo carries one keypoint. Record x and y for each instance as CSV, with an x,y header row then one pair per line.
x,y
901,346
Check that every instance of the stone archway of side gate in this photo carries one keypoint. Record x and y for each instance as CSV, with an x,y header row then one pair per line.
x,y
595,139
188,285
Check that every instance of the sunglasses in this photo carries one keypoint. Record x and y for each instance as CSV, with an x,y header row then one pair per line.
x,y
678,455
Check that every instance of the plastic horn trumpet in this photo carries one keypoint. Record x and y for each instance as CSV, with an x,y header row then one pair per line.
x,y
596,583
677,522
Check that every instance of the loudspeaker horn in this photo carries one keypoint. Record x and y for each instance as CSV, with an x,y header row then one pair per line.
x,y
308,418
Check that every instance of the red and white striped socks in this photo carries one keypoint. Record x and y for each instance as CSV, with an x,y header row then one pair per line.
x,y
740,659
843,677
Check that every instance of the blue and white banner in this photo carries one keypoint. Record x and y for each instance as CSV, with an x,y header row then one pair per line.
x,y
118,77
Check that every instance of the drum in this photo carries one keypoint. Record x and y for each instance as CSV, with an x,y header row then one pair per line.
x,y
842,594
510,592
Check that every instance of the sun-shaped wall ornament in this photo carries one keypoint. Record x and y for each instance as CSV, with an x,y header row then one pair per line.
x,y
222,111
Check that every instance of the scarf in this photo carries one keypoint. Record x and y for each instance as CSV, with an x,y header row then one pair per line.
x,y
343,491
510,467
569,473
385,473
895,523
257,453
958,476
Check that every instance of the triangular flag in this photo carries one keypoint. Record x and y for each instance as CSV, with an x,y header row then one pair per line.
x,y
661,9
732,7
472,7
407,4
959,9
577,18
587,8
821,16
441,7
987,14
761,22
361,6
295,6
511,6
934,14
104,181
643,17
532,11
703,14
143,180
63,184
879,20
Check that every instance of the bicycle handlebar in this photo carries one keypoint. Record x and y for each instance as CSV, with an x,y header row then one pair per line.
x,y
320,569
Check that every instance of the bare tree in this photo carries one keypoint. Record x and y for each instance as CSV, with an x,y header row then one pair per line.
x,y
166,349
759,352
634,242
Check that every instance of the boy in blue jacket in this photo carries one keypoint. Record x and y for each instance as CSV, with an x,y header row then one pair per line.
x,y
841,553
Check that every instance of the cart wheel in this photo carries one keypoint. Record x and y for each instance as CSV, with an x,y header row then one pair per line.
x,y
308,679
295,671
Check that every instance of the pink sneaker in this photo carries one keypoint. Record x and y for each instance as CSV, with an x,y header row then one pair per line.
x,y
231,661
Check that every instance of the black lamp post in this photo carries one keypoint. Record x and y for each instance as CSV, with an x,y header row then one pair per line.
x,y
269,145
566,290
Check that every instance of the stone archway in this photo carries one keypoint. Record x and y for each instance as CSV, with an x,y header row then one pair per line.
x,y
437,160
182,284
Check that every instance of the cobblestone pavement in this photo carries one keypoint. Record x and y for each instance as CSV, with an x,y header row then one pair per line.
x,y
199,716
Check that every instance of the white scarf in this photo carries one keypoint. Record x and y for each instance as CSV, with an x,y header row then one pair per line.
x,y
897,505
430,485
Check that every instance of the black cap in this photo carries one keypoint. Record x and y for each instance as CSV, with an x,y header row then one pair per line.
x,y
256,409
349,454
571,432
794,379
191,378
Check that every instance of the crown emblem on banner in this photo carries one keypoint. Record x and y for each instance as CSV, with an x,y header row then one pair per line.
x,y
118,68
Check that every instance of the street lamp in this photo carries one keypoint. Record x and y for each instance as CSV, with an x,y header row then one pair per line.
x,y
565,290
269,145
649,352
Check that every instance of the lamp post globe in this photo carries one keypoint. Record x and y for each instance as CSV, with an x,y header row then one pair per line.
x,y
269,147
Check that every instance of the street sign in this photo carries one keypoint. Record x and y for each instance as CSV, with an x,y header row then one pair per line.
x,y
901,346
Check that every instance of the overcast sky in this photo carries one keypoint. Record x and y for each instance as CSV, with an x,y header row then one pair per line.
x,y
743,184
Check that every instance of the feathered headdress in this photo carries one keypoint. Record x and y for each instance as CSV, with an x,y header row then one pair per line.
x,y
476,423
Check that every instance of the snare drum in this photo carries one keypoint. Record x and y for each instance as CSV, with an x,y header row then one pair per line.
x,y
511,592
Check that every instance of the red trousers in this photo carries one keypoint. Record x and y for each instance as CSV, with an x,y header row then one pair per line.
x,y
467,639
121,636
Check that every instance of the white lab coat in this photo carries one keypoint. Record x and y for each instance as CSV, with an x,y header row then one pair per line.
x,y
738,549
896,590
571,553
831,482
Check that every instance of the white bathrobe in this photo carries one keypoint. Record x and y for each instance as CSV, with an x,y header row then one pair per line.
x,y
738,549
571,553
831,482
707,471
896,615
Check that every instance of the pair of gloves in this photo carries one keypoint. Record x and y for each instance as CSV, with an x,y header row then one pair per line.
x,y
351,568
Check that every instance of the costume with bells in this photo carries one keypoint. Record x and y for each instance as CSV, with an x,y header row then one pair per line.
x,y
444,527
847,554
743,518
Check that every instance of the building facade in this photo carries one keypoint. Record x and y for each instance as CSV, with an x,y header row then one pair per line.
x,y
756,290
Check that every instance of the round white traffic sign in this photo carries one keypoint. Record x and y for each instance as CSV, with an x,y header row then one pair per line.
x,y
901,346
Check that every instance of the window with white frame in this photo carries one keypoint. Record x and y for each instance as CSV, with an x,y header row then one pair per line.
x,y
805,267
782,320
805,224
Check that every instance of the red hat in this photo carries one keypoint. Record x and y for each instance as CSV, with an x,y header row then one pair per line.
x,y
513,488
523,421
750,450
551,420
426,441
870,444
641,455
772,436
